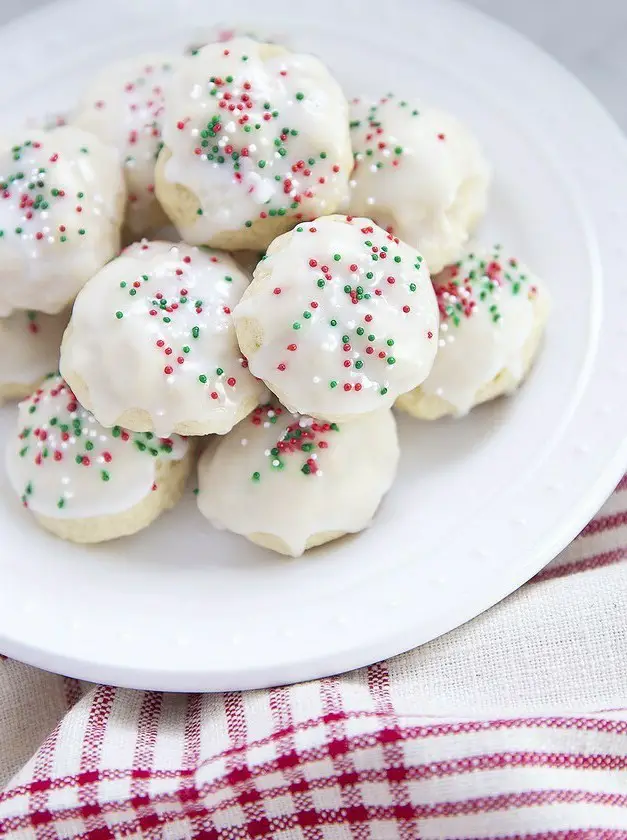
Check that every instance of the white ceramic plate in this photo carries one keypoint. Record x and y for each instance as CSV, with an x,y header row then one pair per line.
x,y
481,504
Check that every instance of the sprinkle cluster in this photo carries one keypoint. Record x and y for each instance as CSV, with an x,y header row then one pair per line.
x,y
372,142
177,339
479,279
71,436
302,437
246,132
365,351
31,190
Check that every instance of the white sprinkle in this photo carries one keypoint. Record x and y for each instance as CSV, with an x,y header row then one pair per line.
x,y
244,441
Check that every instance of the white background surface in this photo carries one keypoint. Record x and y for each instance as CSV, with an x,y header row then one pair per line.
x,y
588,36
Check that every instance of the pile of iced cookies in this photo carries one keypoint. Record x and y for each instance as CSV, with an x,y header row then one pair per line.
x,y
322,272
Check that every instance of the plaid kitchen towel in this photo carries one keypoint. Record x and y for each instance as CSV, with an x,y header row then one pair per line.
x,y
512,726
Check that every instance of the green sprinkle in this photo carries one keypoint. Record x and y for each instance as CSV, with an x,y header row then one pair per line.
x,y
397,259
295,325
119,314
333,322
383,391
300,96
104,475
390,342
219,371
333,384
391,360
306,314
256,476
337,257
359,364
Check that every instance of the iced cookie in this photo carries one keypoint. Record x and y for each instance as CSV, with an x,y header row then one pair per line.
x,y
288,482
124,108
61,206
29,349
493,311
420,174
340,318
256,138
151,345
86,483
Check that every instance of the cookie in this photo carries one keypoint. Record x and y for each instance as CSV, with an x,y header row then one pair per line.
x,y
85,483
256,138
420,174
124,107
493,311
340,318
61,207
29,349
151,344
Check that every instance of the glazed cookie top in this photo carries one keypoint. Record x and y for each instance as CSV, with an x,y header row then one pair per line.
x,y
60,206
275,463
124,107
29,346
264,129
419,173
65,465
344,314
489,305
153,330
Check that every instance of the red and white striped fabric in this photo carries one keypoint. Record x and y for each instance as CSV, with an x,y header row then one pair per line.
x,y
513,726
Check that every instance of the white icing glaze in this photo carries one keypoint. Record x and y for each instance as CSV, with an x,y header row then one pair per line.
x,y
489,307
65,465
259,479
124,108
222,33
153,329
418,172
280,124
60,203
29,346
321,292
